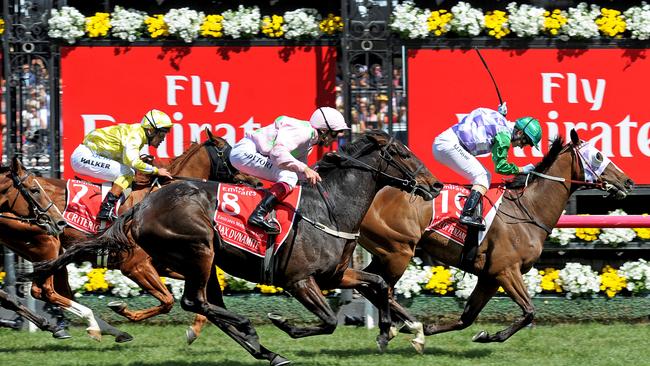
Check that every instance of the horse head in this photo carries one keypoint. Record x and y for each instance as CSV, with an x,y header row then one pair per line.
x,y
395,164
600,169
22,196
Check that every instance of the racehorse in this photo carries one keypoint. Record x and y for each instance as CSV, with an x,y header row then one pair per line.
x,y
174,226
10,302
531,207
208,160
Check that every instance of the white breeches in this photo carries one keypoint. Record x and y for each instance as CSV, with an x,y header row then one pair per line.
x,y
448,150
85,161
246,159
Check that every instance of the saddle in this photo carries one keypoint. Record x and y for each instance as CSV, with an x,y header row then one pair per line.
x,y
83,200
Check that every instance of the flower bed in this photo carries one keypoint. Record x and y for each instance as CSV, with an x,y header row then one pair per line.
x,y
583,21
613,237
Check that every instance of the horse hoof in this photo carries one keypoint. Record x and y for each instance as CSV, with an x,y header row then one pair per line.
x,y
61,334
279,361
123,338
117,306
95,334
382,344
419,346
274,316
190,335
480,337
392,333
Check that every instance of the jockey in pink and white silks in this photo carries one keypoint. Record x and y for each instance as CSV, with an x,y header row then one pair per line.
x,y
484,131
278,153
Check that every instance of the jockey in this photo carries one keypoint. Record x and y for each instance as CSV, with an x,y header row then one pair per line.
x,y
278,153
113,153
484,131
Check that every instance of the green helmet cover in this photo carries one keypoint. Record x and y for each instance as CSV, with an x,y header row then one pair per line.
x,y
531,128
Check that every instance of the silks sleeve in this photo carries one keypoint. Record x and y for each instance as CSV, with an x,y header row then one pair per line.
x,y
500,155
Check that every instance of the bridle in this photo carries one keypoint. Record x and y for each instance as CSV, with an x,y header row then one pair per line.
x,y
39,214
220,168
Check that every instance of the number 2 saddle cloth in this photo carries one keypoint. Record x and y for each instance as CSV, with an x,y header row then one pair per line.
x,y
448,206
235,203
82,203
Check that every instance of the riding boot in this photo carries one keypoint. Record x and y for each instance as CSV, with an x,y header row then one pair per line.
x,y
106,211
272,197
469,216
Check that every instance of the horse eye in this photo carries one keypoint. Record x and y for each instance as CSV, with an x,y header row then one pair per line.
x,y
35,190
599,157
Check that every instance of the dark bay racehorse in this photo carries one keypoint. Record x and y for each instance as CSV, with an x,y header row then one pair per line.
x,y
531,207
174,225
10,302
208,160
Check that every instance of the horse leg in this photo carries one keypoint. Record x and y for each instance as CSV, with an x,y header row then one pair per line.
x,y
485,288
214,297
310,296
237,327
145,275
10,302
513,283
391,274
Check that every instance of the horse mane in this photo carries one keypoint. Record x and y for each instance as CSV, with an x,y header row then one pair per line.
x,y
519,181
354,149
181,159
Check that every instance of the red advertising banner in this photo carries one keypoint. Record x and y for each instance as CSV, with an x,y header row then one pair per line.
x,y
227,89
599,92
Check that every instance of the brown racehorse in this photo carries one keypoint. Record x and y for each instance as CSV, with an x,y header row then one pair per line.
x,y
174,225
208,160
531,206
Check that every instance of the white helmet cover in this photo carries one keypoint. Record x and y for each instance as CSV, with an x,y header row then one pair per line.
x,y
328,118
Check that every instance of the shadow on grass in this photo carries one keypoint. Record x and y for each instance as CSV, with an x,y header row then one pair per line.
x,y
429,351
70,348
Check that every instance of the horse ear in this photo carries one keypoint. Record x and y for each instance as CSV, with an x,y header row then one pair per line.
x,y
574,137
16,166
209,133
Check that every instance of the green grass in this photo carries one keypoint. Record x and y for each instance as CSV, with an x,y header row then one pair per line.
x,y
572,344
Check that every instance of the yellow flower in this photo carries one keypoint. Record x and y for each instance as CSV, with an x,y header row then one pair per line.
x,y
221,276
212,26
2,26
272,26
587,234
644,232
611,282
611,23
440,282
2,277
96,281
98,25
553,21
268,289
550,278
331,24
496,22
438,22
156,26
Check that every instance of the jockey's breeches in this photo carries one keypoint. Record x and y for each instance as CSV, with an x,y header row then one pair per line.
x,y
246,159
448,150
87,162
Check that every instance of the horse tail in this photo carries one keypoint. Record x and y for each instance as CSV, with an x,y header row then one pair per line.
x,y
111,242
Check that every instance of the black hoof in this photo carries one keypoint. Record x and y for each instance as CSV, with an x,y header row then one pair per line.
x,y
123,338
279,361
117,306
190,336
61,334
481,337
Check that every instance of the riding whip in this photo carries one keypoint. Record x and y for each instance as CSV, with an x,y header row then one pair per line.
x,y
503,109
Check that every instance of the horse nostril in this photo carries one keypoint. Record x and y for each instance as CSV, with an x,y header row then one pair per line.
x,y
438,186
62,223
629,184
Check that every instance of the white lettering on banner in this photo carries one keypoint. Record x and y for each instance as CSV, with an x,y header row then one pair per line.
x,y
174,84
593,97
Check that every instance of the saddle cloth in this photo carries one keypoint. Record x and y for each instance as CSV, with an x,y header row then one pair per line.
x,y
83,200
448,206
235,203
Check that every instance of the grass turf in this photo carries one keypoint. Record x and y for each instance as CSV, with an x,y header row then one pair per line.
x,y
571,344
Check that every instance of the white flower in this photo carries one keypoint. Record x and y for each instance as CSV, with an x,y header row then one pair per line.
x,y
525,20
563,235
301,23
410,21
122,286
581,21
184,23
638,21
78,276
244,22
467,21
533,281
176,286
577,279
637,275
67,23
615,236
127,24
464,282
413,279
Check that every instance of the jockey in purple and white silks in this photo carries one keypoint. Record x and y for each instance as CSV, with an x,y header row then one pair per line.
x,y
278,153
484,131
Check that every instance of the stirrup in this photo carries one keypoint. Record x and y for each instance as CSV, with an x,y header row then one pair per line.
x,y
268,227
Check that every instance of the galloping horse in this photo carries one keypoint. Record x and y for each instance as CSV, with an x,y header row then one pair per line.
x,y
530,208
174,226
208,160
10,302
